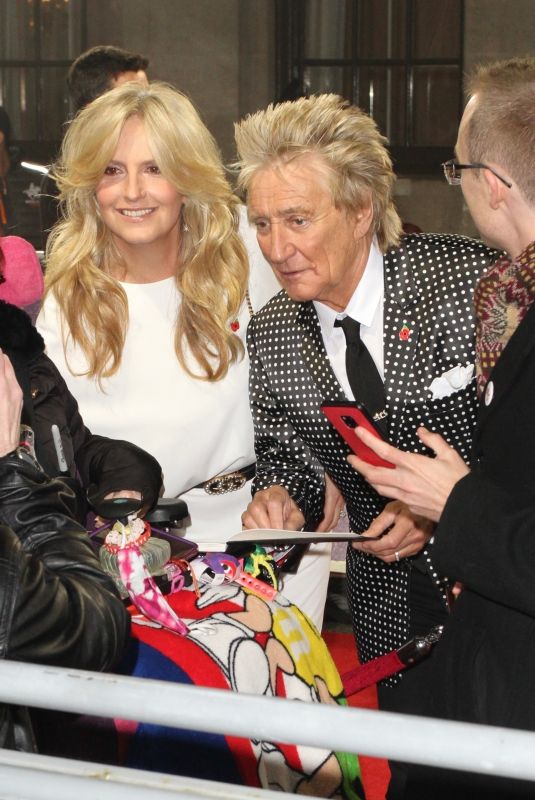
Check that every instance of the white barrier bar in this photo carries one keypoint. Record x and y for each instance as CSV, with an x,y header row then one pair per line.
x,y
476,748
26,776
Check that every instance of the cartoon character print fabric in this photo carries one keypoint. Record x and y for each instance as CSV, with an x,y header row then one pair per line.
x,y
239,641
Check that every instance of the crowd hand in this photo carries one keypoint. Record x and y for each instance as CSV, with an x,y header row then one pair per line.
x,y
273,508
401,533
332,508
10,407
131,494
423,483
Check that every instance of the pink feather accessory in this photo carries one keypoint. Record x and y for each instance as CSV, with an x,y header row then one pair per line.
x,y
136,578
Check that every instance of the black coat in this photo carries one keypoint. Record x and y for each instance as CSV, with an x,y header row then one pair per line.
x,y
56,605
94,463
483,669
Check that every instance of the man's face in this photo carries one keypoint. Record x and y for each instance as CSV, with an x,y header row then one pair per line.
x,y
317,251
126,77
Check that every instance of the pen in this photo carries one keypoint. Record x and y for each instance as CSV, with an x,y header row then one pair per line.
x,y
60,455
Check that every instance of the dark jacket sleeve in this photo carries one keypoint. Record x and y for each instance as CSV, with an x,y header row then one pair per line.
x,y
56,605
105,464
486,542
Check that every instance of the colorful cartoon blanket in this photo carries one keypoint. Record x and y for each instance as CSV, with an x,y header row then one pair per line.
x,y
241,642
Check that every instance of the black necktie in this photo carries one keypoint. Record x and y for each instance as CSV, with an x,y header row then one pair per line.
x,y
364,379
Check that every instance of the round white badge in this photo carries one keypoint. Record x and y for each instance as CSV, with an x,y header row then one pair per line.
x,y
489,393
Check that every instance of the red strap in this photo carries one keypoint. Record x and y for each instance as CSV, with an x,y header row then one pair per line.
x,y
371,672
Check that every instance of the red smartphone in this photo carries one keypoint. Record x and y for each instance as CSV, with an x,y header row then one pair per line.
x,y
346,418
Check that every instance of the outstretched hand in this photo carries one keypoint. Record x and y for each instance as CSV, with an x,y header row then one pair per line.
x,y
10,407
422,483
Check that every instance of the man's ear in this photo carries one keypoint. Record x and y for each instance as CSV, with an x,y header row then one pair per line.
x,y
363,220
496,188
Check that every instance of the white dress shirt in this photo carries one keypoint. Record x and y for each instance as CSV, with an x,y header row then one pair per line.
x,y
365,307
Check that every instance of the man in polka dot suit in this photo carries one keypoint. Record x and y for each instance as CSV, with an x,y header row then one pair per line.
x,y
483,668
319,190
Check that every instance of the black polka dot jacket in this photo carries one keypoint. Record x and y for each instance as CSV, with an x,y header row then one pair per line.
x,y
428,330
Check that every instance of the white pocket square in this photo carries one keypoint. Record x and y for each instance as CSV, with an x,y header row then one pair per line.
x,y
451,381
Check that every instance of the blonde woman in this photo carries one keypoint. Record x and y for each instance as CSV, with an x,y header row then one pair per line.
x,y
148,298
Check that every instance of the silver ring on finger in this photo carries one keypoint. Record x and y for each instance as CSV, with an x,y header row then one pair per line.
x,y
397,555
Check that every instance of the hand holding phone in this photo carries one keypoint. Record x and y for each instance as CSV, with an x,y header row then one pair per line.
x,y
346,418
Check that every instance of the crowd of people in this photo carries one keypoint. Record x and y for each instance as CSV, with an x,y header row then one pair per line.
x,y
200,354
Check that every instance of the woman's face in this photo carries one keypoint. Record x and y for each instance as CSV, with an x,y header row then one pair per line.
x,y
137,204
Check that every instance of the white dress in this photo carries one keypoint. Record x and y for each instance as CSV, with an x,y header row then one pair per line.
x,y
196,429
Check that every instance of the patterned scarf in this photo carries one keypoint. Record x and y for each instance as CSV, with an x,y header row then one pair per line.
x,y
502,299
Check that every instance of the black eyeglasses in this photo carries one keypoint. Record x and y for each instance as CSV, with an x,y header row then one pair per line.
x,y
452,172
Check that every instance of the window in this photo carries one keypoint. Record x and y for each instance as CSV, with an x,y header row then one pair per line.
x,y
399,60
38,41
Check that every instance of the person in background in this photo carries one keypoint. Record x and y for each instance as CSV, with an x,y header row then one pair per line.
x,y
94,72
57,607
100,69
19,195
152,232
364,314
485,536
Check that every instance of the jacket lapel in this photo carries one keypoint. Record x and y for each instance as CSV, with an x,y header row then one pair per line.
x,y
401,331
315,356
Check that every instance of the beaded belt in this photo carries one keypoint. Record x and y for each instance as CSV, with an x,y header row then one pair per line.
x,y
229,482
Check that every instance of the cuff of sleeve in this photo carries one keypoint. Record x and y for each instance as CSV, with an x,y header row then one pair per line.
x,y
21,454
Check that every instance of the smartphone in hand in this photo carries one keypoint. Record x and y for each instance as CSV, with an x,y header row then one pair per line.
x,y
346,418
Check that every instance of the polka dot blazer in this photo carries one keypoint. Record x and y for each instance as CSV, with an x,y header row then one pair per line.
x,y
428,330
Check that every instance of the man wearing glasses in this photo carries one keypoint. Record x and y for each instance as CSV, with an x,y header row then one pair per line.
x,y
365,314
483,668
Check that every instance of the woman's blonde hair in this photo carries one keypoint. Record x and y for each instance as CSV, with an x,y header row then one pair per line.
x,y
347,140
212,270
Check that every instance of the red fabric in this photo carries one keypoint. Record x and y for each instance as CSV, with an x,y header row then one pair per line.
x,y
372,672
375,771
22,272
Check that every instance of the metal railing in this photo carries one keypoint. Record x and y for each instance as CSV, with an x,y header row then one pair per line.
x,y
25,776
464,746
